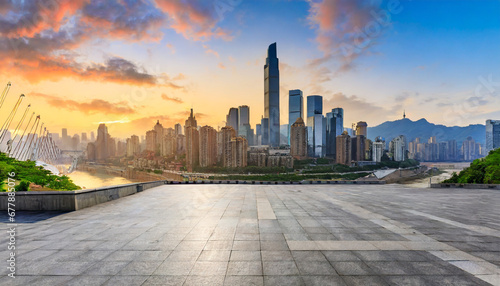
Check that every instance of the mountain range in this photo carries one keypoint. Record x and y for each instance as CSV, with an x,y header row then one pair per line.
x,y
424,129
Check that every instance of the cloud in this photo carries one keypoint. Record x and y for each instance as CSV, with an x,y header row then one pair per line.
x,y
171,47
346,29
92,107
195,20
359,109
222,66
173,99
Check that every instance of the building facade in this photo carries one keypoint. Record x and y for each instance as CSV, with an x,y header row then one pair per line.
x,y
272,95
298,139
492,135
295,108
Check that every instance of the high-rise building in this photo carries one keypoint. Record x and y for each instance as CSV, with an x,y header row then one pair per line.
x,y
295,108
358,149
361,129
471,150
492,135
316,126
298,139
338,114
133,146
101,144
239,147
151,141
232,119
284,134
92,136
192,147
225,136
191,121
378,149
178,129
272,95
243,116
398,148
264,129
314,105
91,152
208,146
158,128
111,146
84,137
75,142
343,152
258,134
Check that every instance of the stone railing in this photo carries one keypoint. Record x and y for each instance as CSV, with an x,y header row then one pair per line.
x,y
73,200
466,186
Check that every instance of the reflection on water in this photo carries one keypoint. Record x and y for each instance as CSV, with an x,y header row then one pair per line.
x,y
89,181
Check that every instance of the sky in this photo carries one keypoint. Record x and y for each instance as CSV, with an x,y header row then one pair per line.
x,y
130,63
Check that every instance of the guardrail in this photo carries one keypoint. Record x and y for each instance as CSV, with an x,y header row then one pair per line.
x,y
466,186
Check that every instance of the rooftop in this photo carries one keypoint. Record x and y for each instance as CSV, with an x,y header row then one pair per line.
x,y
266,235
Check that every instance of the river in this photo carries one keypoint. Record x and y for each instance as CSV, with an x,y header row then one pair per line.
x,y
90,181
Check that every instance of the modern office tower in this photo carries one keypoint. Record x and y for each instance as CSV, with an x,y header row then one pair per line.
x,y
295,108
243,116
181,144
178,129
272,95
64,133
208,146
331,138
151,141
361,129
232,119
343,151
378,149
92,136
314,105
492,135
264,129
338,115
65,140
158,128
298,139
133,146
84,137
316,126
226,134
284,135
258,134
101,144
192,147
238,148
398,148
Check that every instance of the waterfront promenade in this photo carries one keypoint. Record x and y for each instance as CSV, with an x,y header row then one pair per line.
x,y
265,235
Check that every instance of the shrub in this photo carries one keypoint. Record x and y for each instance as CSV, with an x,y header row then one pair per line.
x,y
24,186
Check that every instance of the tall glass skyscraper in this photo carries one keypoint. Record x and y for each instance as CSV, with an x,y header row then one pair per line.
x,y
295,108
316,126
264,130
334,128
492,135
314,105
272,95
232,118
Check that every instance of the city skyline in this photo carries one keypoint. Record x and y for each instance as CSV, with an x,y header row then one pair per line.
x,y
128,74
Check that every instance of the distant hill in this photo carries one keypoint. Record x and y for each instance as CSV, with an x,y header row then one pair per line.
x,y
423,129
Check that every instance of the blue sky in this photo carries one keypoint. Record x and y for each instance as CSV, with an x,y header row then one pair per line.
x,y
432,59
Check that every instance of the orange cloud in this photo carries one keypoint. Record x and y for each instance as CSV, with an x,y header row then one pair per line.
x,y
173,99
195,20
92,107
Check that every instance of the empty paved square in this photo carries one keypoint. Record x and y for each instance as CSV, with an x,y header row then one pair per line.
x,y
266,235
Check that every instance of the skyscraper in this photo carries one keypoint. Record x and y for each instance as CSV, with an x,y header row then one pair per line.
x,y
361,128
295,108
314,105
101,144
264,129
492,135
298,139
343,152
378,149
244,128
232,119
226,134
272,95
316,126
338,114
398,148
208,146
159,137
